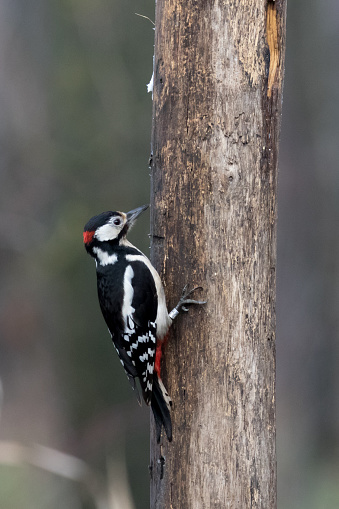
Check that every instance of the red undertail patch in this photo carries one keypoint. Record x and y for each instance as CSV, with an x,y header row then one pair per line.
x,y
158,355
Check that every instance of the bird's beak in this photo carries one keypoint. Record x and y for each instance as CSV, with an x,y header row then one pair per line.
x,y
132,215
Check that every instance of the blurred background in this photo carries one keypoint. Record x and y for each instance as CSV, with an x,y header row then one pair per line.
x,y
75,128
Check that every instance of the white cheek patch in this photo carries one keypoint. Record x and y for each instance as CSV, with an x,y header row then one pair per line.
x,y
107,232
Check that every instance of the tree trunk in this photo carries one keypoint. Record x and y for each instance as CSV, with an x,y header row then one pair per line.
x,y
218,74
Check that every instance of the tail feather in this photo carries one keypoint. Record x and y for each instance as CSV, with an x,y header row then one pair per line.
x,y
161,405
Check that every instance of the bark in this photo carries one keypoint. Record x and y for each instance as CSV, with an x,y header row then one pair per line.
x,y
216,120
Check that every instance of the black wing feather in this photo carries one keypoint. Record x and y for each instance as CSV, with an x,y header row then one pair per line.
x,y
135,344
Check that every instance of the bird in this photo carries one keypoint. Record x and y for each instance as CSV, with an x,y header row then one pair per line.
x,y
133,304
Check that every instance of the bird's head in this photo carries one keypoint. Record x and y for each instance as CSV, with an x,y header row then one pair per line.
x,y
109,227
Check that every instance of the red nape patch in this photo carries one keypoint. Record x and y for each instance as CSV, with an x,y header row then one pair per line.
x,y
88,236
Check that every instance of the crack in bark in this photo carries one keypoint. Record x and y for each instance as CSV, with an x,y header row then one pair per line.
x,y
273,44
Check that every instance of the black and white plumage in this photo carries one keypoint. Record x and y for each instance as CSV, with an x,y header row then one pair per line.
x,y
133,304
132,301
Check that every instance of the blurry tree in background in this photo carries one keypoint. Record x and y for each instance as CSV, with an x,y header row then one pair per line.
x,y
75,140
308,267
75,129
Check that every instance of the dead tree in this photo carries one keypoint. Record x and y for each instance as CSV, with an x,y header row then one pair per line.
x,y
218,76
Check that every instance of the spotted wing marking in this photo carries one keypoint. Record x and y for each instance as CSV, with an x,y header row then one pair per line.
x,y
141,351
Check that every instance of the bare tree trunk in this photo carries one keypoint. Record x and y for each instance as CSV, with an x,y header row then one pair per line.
x,y
216,121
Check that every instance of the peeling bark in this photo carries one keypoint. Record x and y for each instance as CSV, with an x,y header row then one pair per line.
x,y
218,74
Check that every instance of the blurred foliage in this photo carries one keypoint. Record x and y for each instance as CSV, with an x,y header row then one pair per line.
x,y
75,137
75,130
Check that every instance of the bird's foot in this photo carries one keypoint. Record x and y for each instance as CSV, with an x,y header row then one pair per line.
x,y
185,301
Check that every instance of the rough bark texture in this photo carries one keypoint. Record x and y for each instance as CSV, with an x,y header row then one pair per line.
x,y
216,120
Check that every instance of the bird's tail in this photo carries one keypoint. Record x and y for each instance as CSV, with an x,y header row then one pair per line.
x,y
161,405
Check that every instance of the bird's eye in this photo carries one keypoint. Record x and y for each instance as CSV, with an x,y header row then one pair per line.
x,y
116,222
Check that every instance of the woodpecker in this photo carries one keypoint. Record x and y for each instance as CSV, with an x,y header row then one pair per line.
x,y
133,304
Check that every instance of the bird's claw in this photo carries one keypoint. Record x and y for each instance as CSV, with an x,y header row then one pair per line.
x,y
186,294
184,301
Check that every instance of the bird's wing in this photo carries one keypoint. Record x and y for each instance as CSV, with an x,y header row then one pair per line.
x,y
137,342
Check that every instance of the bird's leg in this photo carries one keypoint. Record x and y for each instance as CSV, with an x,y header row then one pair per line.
x,y
185,301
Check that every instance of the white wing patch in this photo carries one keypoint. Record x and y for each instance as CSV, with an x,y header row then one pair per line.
x,y
162,321
139,342
127,308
